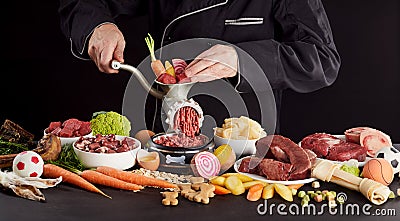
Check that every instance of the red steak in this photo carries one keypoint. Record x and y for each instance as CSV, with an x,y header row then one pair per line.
x,y
275,170
332,148
320,143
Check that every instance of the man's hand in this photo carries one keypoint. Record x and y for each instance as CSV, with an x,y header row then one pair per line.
x,y
220,61
107,43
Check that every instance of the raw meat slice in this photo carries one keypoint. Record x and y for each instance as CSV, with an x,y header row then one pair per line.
x,y
320,143
73,124
374,140
275,170
346,151
332,148
66,132
166,79
311,155
245,166
85,129
353,134
297,155
53,125
279,154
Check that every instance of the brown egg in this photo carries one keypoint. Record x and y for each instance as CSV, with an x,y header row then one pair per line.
x,y
148,160
143,136
380,170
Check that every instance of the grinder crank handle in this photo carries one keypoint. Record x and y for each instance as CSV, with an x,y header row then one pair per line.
x,y
139,76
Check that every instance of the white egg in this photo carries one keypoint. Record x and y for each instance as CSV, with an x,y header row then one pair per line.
x,y
28,164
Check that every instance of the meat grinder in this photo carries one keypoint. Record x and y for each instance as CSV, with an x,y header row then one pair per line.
x,y
174,96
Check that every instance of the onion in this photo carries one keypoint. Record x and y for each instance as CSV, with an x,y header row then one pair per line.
x,y
205,164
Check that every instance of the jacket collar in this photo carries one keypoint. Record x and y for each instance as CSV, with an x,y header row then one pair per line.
x,y
188,8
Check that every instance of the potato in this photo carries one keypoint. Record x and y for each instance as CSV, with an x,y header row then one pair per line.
x,y
268,191
284,191
249,184
242,177
218,180
235,185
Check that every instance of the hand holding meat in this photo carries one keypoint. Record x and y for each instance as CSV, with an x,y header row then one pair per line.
x,y
220,61
107,43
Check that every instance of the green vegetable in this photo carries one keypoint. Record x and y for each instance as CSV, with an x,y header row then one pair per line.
x,y
392,195
150,44
304,202
11,148
301,194
110,123
68,159
351,169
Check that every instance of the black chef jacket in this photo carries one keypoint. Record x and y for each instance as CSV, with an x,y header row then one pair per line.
x,y
290,39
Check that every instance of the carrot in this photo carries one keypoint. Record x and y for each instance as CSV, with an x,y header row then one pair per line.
x,y
102,179
53,171
156,65
220,190
135,178
255,192
295,186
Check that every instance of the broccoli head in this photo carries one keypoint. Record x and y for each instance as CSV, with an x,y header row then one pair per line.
x,y
110,123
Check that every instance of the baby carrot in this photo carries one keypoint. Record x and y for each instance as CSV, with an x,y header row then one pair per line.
x,y
102,179
135,178
220,190
295,186
53,171
156,65
255,192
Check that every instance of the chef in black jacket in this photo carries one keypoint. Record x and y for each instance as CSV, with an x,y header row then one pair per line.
x,y
290,39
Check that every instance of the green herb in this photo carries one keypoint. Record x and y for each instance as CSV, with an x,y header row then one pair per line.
x,y
68,159
11,148
150,44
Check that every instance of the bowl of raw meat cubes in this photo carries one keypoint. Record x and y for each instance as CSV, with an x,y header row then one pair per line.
x,y
107,150
69,130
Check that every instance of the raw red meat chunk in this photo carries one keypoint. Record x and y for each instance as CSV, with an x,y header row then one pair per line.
x,y
69,128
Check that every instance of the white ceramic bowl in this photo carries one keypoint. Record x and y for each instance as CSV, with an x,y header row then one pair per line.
x,y
69,140
122,161
241,147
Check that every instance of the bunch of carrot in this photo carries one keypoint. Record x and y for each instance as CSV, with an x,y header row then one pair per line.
x,y
105,176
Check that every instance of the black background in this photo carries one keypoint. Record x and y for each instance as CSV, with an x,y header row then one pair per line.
x,y
41,81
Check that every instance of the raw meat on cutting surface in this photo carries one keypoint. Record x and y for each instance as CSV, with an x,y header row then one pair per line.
x,y
332,148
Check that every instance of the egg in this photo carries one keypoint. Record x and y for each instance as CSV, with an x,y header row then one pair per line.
x,y
148,160
143,136
28,164
380,170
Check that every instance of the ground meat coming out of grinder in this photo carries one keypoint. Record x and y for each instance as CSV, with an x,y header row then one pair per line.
x,y
187,121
